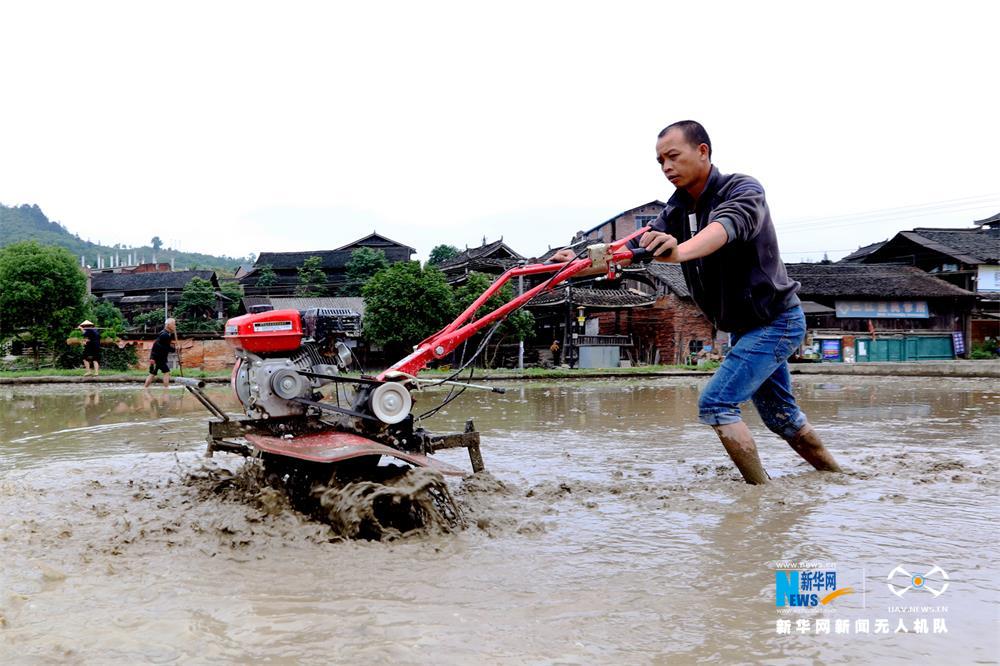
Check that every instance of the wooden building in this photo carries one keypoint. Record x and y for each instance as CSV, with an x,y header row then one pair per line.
x,y
575,316
490,258
651,307
136,293
334,264
967,258
876,312
671,330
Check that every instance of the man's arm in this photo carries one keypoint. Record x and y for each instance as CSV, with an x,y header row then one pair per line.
x,y
743,211
702,244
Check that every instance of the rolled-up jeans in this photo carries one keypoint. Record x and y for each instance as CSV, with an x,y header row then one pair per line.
x,y
756,367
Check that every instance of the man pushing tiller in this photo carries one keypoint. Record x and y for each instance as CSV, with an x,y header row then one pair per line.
x,y
718,227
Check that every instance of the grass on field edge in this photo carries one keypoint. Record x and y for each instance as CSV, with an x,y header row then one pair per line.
x,y
139,374
529,373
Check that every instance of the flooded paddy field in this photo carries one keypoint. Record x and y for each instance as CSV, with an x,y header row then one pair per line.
x,y
612,528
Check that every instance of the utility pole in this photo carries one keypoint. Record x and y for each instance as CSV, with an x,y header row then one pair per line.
x,y
520,342
165,312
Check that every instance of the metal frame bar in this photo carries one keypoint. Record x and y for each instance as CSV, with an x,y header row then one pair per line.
x,y
443,342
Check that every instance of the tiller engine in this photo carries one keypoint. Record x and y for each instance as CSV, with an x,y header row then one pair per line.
x,y
285,358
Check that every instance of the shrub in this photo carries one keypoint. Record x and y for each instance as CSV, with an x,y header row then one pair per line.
x,y
112,357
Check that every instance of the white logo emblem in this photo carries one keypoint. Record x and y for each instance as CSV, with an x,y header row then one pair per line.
x,y
918,581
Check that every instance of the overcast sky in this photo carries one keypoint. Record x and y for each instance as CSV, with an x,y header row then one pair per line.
x,y
239,127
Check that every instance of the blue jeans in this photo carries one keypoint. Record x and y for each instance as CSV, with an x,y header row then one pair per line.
x,y
757,367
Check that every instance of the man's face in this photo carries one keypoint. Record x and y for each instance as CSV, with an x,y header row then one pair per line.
x,y
684,165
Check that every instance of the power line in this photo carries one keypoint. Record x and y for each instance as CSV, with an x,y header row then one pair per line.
x,y
812,228
815,251
929,208
893,214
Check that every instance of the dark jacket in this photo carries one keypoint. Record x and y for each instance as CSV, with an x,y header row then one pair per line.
x,y
92,339
743,284
161,348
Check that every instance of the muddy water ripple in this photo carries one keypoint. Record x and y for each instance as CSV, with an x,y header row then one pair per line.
x,y
611,528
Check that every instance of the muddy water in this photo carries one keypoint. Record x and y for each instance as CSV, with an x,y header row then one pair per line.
x,y
612,530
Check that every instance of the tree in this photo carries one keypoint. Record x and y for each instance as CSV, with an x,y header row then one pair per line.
x,y
195,311
153,320
234,292
442,253
41,293
105,316
312,279
519,325
404,304
363,264
156,243
266,277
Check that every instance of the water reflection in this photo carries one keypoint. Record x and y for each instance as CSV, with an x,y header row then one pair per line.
x,y
40,423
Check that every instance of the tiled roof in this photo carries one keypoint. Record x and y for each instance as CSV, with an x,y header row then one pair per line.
x,y
870,280
338,258
355,303
375,241
995,219
862,252
670,275
279,260
970,246
593,298
498,248
126,282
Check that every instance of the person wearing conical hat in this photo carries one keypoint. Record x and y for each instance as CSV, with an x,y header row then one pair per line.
x,y
91,348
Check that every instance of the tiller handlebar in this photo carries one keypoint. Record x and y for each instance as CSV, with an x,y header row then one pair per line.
x,y
602,258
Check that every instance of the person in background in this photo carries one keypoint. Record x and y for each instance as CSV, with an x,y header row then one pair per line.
x,y
159,352
91,349
556,353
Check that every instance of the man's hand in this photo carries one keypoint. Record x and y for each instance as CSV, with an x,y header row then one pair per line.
x,y
659,243
562,256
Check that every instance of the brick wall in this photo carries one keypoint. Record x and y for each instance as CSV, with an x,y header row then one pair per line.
x,y
621,226
207,355
668,327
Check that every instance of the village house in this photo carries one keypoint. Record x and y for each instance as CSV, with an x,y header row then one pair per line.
x,y
672,330
967,258
622,224
881,312
333,263
572,316
652,305
490,258
149,287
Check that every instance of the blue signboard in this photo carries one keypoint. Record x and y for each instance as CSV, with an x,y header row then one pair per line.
x,y
830,350
883,309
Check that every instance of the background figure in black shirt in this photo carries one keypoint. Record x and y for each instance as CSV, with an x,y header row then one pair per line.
x,y
158,354
91,348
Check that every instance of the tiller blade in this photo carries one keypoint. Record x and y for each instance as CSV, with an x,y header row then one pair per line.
x,y
334,446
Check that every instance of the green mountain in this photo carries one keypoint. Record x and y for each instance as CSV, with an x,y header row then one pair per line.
x,y
28,222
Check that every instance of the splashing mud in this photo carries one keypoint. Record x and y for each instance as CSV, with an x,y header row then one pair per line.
x,y
392,503
418,500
